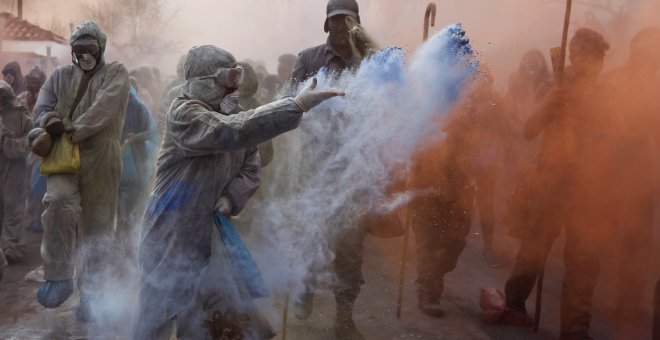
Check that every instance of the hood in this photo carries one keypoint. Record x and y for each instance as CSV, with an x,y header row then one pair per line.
x,y
204,61
250,82
92,29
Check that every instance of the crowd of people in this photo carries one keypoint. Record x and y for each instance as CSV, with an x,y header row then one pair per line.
x,y
575,147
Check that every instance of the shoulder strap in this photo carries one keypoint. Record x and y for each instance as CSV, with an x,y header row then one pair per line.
x,y
81,91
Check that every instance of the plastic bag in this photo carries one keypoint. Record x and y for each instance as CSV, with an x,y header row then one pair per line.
x,y
241,258
64,158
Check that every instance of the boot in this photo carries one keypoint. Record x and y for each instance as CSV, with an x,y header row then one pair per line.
x,y
52,294
303,307
344,326
83,311
430,306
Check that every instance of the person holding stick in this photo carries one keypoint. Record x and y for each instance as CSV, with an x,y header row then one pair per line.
x,y
569,182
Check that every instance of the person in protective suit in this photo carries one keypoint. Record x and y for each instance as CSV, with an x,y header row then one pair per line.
x,y
337,56
33,82
569,184
14,77
139,138
208,162
15,124
87,99
441,216
634,100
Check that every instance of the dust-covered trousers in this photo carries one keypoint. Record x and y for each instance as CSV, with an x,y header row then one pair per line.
x,y
554,206
440,231
347,264
79,221
13,191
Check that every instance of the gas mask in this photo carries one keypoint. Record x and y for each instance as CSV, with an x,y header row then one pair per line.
x,y
85,53
219,90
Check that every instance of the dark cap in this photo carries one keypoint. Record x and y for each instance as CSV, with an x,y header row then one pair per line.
x,y
588,41
342,7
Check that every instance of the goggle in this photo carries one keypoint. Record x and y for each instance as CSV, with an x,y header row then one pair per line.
x,y
80,49
230,78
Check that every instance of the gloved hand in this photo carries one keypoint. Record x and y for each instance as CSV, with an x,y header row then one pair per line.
x,y
40,142
54,125
13,252
224,205
68,125
307,99
53,293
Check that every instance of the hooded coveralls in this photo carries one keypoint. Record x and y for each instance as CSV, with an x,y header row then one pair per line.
x,y
137,168
81,208
14,69
13,167
441,217
205,155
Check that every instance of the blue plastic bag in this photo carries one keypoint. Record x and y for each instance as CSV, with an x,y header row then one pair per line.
x,y
241,257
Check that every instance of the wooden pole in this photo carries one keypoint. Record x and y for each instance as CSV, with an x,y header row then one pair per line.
x,y
560,81
402,270
285,315
429,14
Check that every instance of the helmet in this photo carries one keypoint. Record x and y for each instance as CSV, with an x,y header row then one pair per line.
x,y
345,7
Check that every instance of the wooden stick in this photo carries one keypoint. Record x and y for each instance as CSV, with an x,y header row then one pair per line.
x,y
285,315
404,258
560,81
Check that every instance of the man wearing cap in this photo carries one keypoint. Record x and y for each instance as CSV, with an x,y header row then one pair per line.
x,y
570,183
88,100
337,56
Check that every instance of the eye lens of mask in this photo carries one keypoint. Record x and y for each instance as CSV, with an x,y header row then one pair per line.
x,y
83,49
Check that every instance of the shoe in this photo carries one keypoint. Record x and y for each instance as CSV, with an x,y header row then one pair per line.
x,y
575,336
302,309
430,306
84,312
516,317
344,325
53,293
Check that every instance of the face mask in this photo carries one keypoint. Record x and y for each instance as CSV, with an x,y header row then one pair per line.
x,y
229,104
86,61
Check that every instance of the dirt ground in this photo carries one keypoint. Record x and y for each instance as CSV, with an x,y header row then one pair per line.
x,y
21,317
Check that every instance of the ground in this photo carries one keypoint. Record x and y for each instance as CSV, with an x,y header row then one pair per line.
x,y
23,318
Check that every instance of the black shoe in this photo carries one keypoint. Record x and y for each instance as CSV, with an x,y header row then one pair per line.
x,y
575,336
303,308
430,306
344,325
346,330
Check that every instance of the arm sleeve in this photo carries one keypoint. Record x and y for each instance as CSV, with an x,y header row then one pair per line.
x,y
17,147
246,183
44,108
113,92
299,72
199,131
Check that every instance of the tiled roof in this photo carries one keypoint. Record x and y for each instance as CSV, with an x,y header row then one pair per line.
x,y
19,29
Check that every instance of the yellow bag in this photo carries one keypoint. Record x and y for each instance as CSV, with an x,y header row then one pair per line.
x,y
64,157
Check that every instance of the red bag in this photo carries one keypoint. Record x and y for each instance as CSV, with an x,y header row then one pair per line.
x,y
492,302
